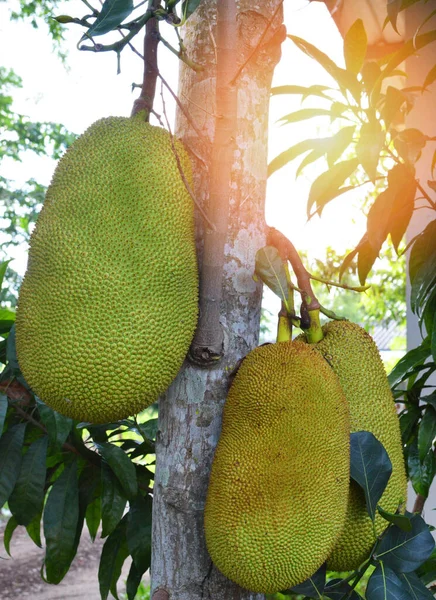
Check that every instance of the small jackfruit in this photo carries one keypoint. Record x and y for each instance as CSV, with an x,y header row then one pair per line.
x,y
278,487
108,305
354,357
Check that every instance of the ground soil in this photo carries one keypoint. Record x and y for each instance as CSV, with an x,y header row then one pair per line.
x,y
20,575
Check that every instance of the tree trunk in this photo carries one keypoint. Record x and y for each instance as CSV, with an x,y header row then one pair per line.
x,y
190,411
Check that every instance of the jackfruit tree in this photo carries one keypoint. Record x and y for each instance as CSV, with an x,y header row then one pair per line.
x,y
301,483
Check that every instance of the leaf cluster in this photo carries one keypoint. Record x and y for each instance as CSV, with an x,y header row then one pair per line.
x,y
59,475
401,562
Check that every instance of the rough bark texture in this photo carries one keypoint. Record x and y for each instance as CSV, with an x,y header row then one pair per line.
x,y
190,412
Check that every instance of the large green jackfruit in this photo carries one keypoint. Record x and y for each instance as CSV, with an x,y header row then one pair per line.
x,y
278,488
108,305
354,357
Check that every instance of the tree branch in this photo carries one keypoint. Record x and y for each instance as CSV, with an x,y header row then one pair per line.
x,y
151,42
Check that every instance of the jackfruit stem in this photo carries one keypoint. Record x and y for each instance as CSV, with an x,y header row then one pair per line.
x,y
284,327
314,334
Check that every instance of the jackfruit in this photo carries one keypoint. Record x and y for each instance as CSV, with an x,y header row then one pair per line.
x,y
108,305
278,487
354,357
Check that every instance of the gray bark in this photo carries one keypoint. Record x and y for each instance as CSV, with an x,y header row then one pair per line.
x,y
190,411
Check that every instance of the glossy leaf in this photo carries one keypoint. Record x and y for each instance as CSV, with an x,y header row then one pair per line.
x,y
370,467
112,14
122,466
408,421
416,356
367,256
112,558
113,501
337,589
11,526
27,499
58,427
287,155
149,428
417,589
11,444
139,532
314,586
405,551
385,584
427,432
269,269
355,44
93,517
189,6
34,530
133,581
398,519
61,516
421,473
369,146
3,266
3,411
11,351
328,185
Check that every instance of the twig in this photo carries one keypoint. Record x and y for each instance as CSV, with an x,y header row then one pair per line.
x,y
425,195
357,288
418,507
179,166
182,56
258,45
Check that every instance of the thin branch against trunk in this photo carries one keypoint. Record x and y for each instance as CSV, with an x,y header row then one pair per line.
x,y
151,71
207,346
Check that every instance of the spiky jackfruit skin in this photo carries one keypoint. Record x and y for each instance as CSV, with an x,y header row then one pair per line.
x,y
108,305
354,357
278,488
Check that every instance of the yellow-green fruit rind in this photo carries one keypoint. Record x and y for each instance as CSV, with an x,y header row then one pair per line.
x,y
278,488
354,357
108,305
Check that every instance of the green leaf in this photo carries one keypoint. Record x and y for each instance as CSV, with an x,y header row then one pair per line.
x,y
405,551
365,259
34,530
139,532
284,157
27,499
345,79
417,589
408,49
189,6
416,356
337,589
61,516
58,426
269,268
409,144
122,467
314,586
408,422
303,114
337,144
421,474
11,526
370,467
401,521
11,352
133,582
355,44
3,411
427,432
369,147
313,90
3,267
327,185
384,584
11,444
113,555
93,517
112,14
113,501
149,428
370,75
